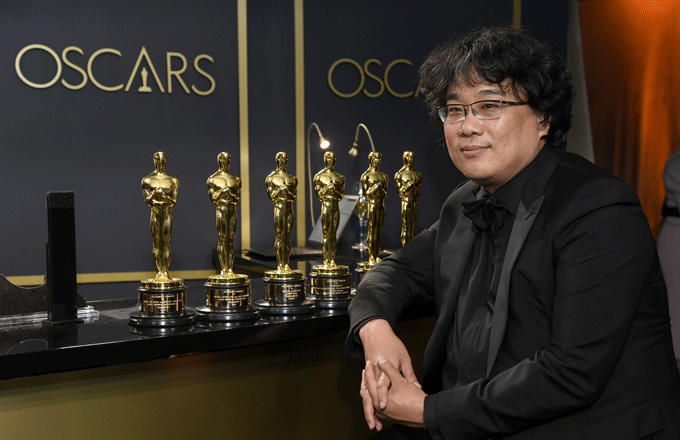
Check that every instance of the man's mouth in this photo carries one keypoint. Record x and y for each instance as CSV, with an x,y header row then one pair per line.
x,y
473,150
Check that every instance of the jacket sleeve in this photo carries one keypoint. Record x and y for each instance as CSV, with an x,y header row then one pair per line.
x,y
602,253
391,285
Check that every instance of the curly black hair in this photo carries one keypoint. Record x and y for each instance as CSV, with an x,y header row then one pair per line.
x,y
533,66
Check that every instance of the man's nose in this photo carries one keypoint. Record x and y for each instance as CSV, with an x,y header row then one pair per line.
x,y
470,124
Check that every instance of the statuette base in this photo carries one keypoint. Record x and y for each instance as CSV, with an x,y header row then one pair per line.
x,y
162,307
300,308
365,266
334,270
285,296
227,301
170,284
208,314
231,280
331,291
284,275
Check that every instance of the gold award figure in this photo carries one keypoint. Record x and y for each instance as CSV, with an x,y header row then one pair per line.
x,y
284,287
408,183
331,284
228,293
224,189
162,300
282,190
374,186
330,187
160,193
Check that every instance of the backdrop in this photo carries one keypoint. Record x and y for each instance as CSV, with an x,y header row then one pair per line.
x,y
91,91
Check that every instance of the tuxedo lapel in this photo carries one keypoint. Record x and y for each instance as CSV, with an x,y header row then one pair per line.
x,y
453,265
454,252
520,229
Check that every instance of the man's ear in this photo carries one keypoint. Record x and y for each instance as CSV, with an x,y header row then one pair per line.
x,y
544,124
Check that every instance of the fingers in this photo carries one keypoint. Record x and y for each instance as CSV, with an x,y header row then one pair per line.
x,y
367,403
408,373
371,383
389,369
369,410
381,389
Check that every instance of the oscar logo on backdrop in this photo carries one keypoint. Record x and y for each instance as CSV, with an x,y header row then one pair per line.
x,y
144,88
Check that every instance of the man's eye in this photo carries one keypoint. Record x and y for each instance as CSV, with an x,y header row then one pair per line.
x,y
490,105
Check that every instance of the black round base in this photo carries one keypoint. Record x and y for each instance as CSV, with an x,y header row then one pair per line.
x,y
276,319
221,325
267,308
178,319
226,315
322,302
162,331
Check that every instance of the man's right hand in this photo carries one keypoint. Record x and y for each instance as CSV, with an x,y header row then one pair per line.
x,y
378,339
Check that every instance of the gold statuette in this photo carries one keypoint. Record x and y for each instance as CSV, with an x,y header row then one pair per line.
x,y
284,287
330,282
161,299
408,183
228,293
374,186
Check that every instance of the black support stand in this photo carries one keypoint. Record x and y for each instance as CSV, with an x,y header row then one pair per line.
x,y
62,307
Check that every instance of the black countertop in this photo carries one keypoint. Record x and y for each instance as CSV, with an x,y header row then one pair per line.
x,y
36,349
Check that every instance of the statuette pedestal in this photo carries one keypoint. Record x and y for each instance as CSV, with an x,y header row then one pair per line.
x,y
330,286
162,304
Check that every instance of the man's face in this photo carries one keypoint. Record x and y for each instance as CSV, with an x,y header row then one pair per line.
x,y
491,152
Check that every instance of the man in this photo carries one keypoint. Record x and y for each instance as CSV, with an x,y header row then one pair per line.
x,y
408,183
282,190
374,185
160,192
330,187
552,317
224,189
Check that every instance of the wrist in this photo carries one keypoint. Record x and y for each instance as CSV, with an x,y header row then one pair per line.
x,y
373,327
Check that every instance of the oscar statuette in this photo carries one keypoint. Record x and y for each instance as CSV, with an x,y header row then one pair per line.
x,y
331,283
408,183
228,293
162,300
284,287
374,186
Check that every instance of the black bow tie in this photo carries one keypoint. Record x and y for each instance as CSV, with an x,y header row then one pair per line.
x,y
483,211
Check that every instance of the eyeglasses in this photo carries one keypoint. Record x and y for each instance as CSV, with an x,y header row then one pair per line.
x,y
484,110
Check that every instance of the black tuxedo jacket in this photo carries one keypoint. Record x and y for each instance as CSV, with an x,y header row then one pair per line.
x,y
580,344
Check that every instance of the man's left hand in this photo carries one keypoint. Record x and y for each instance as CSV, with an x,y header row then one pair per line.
x,y
405,401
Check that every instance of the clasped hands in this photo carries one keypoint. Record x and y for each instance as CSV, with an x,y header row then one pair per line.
x,y
389,393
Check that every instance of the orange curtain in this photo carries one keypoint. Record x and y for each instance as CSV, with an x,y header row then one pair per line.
x,y
631,54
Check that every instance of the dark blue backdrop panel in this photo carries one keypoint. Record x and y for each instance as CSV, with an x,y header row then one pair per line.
x,y
271,105
100,143
388,102
549,22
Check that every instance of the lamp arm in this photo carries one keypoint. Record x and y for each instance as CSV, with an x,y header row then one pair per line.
x,y
356,137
